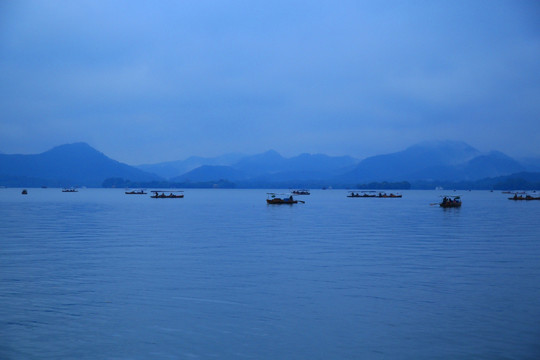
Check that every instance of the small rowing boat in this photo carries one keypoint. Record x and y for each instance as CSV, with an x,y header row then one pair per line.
x,y
273,199
451,202
156,194
135,192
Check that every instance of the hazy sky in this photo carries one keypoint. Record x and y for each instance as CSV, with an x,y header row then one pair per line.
x,y
146,81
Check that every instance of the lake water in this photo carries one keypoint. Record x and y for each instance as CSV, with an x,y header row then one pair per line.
x,y
221,275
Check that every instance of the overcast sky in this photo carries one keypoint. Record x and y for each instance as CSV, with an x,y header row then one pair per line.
x,y
151,81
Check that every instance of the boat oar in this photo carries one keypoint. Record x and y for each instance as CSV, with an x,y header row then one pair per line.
x,y
302,201
434,204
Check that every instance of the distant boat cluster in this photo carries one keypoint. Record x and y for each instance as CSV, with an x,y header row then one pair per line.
x,y
372,194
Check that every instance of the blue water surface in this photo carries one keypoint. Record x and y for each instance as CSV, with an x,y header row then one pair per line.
x,y
220,274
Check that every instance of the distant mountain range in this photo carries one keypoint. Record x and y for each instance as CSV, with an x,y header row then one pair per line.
x,y
272,167
442,160
173,169
425,163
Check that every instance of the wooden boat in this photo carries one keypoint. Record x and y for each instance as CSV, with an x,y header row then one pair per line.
x,y
361,194
273,199
24,192
171,194
135,192
391,195
300,192
371,194
69,190
526,197
451,202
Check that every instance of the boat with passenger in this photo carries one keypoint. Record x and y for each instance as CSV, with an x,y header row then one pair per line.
x,y
69,190
136,192
300,192
274,199
159,194
523,197
362,194
372,194
451,201
391,195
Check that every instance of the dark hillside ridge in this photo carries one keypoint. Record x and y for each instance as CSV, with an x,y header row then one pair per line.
x,y
75,164
446,160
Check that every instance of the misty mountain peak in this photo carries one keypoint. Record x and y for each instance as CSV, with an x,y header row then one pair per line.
x,y
443,152
268,161
270,155
76,148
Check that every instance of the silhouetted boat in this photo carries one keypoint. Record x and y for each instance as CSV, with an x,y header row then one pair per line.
x,y
371,194
24,192
451,201
300,192
391,195
521,197
171,194
135,192
69,190
362,194
275,200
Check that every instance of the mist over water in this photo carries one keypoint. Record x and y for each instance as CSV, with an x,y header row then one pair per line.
x,y
220,274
